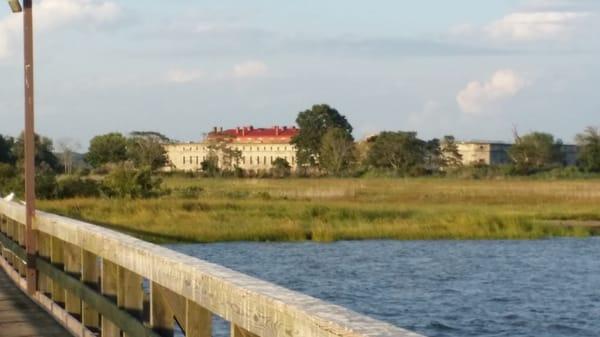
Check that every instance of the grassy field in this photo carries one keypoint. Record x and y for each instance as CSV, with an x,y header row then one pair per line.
x,y
348,209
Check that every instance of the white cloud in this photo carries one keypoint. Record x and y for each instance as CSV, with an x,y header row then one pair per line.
x,y
183,76
477,97
250,69
530,26
53,14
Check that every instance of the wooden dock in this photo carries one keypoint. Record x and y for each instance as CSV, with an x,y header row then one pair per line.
x,y
21,317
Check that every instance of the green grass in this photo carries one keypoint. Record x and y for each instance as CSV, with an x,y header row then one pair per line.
x,y
347,209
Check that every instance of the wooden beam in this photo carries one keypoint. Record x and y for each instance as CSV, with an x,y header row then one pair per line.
x,y
161,315
130,294
90,275
108,285
198,321
57,259
72,267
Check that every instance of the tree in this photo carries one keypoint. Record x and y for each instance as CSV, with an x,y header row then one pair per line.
x,y
44,153
451,157
433,155
589,149
535,151
337,152
146,149
400,151
108,148
6,146
313,124
281,168
67,147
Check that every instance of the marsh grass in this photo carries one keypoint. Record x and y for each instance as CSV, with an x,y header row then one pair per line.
x,y
346,209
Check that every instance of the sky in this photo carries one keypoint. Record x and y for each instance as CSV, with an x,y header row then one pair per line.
x,y
470,68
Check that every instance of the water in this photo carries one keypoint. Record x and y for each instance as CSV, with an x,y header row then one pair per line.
x,y
546,288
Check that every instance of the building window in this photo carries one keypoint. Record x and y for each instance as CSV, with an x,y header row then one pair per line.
x,y
257,160
196,160
250,160
190,159
271,159
265,160
184,160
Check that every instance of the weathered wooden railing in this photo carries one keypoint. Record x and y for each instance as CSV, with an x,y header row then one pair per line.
x,y
91,279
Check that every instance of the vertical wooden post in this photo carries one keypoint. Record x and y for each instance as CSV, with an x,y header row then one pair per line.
x,y
130,294
161,315
44,251
73,267
90,273
57,259
236,331
198,320
108,285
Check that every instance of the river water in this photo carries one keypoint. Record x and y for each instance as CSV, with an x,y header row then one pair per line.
x,y
545,288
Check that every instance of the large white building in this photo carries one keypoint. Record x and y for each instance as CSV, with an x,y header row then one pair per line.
x,y
259,148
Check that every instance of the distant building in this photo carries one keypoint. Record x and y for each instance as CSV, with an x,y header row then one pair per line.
x,y
484,152
259,148
496,153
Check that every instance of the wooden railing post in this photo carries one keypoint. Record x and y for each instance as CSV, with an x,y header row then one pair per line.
x,y
161,314
130,294
90,274
73,267
44,247
236,331
198,320
108,285
57,259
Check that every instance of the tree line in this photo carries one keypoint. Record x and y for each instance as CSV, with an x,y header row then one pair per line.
x,y
122,166
118,165
325,145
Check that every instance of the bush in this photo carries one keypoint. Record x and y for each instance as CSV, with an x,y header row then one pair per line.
x,y
72,187
125,182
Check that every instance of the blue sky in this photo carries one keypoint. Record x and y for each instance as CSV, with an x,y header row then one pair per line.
x,y
471,68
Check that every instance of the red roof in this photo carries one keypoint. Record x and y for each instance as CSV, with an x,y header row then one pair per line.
x,y
252,134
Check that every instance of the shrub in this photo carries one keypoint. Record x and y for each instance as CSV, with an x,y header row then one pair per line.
x,y
125,182
72,187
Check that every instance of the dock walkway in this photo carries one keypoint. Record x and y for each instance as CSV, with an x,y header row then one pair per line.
x,y
21,317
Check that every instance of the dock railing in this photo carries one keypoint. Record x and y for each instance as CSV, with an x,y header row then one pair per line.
x,y
91,279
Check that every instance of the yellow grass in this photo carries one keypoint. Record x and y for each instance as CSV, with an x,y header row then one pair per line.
x,y
348,209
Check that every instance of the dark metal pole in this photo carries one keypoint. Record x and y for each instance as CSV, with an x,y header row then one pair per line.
x,y
30,235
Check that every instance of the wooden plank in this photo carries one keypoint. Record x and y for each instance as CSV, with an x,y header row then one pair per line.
x,y
130,293
161,315
72,255
21,317
57,258
198,321
236,331
108,285
90,276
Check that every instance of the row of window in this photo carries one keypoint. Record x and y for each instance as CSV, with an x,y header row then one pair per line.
x,y
291,160
242,148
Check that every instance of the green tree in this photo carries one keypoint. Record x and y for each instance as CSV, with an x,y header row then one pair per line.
x,y
400,151
433,159
146,149
451,157
44,153
337,152
281,168
313,124
589,149
108,148
535,151
6,146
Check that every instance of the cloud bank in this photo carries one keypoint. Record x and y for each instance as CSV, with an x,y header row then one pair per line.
x,y
477,97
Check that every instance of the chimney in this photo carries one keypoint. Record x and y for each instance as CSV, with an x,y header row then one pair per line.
x,y
215,129
221,130
251,128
